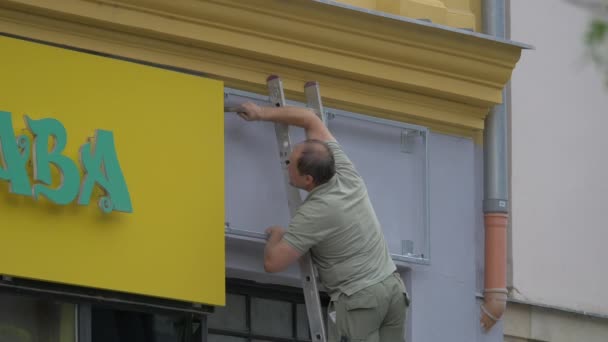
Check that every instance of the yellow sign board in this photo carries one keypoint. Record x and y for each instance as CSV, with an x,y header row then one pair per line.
x,y
161,232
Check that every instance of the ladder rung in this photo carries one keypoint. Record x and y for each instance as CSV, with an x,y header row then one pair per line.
x,y
247,233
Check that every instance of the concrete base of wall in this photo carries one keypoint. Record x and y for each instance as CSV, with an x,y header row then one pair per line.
x,y
527,323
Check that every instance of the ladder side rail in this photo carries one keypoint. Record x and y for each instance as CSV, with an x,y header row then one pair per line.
x,y
309,279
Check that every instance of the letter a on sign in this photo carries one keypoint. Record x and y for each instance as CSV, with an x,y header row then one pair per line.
x,y
101,166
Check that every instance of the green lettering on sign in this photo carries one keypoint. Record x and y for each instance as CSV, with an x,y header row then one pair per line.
x,y
43,131
14,154
102,168
99,163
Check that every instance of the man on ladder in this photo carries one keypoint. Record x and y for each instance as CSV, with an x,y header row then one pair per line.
x,y
338,225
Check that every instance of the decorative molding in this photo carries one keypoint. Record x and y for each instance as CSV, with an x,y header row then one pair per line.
x,y
454,13
461,19
365,63
433,10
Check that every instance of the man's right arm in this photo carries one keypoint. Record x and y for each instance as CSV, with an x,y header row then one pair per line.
x,y
301,117
293,116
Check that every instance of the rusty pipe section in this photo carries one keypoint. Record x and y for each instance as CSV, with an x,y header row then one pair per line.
x,y
495,275
496,187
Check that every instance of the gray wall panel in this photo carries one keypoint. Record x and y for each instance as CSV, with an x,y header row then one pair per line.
x,y
394,179
444,306
255,194
452,207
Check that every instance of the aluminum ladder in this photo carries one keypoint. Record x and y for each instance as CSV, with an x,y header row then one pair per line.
x,y
307,269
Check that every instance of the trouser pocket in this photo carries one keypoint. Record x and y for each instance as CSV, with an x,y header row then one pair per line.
x,y
357,315
403,289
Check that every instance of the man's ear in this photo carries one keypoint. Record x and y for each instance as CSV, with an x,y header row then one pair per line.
x,y
309,179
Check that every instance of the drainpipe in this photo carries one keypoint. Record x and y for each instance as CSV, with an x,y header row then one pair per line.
x,y
496,188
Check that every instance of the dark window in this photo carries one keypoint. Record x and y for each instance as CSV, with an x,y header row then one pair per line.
x,y
258,313
27,318
111,325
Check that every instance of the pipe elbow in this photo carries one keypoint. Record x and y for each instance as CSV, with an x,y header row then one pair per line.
x,y
493,307
495,279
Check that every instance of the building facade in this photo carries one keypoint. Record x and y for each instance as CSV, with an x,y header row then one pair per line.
x,y
406,86
557,283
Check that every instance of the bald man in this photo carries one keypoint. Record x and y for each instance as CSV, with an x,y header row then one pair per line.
x,y
337,223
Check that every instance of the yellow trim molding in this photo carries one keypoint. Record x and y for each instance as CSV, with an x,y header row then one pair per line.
x,y
454,13
375,65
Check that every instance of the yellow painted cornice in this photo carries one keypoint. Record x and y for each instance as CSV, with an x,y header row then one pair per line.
x,y
375,65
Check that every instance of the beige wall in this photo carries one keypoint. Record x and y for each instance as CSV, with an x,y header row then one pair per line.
x,y
530,323
560,162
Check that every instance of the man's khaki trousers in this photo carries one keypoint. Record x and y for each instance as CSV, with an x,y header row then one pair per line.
x,y
374,314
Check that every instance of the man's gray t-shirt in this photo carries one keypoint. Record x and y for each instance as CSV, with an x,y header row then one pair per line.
x,y
338,224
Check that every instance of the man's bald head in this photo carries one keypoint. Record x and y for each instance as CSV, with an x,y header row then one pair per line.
x,y
317,160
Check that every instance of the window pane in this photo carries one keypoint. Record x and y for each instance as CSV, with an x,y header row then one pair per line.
x,y
221,338
302,317
169,329
111,325
303,328
32,319
271,317
230,317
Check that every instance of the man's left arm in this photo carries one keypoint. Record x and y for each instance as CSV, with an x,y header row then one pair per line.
x,y
278,254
